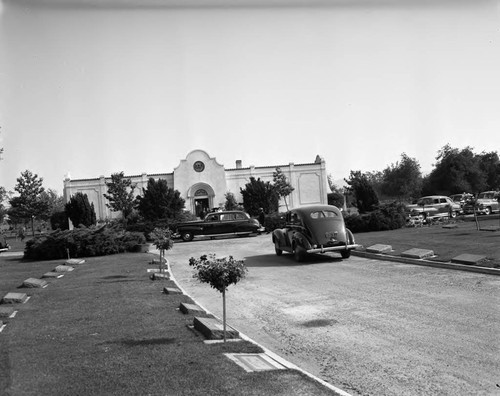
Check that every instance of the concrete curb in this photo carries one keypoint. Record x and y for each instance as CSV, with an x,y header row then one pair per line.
x,y
268,352
428,263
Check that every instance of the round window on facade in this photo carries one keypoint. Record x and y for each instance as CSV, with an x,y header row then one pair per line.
x,y
199,166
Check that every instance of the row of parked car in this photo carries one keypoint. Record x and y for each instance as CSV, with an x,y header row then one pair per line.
x,y
441,206
308,229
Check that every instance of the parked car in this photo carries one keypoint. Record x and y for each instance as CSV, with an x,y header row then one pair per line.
x,y
313,229
4,246
461,199
232,222
434,206
487,203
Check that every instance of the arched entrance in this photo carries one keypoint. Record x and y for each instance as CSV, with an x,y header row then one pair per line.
x,y
201,202
201,197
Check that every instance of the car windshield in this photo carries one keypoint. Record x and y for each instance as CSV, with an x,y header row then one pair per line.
x,y
322,214
486,195
425,201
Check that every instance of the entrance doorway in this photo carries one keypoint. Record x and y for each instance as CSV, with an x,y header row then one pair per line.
x,y
202,207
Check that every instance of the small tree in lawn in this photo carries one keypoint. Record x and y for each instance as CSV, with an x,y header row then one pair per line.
x,y
220,273
162,239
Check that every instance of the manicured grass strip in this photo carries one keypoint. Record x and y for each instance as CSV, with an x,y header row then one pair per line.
x,y
108,329
446,243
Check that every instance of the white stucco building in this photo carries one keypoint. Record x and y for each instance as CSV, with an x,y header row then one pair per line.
x,y
203,183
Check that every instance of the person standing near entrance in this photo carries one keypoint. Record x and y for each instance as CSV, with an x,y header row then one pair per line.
x,y
262,217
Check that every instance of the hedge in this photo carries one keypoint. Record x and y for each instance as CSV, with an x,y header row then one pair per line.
x,y
82,242
386,217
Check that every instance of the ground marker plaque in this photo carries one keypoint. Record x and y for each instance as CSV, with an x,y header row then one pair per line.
x,y
418,253
34,283
255,361
15,298
63,268
468,259
379,248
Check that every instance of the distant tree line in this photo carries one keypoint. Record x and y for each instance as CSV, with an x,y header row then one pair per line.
x,y
455,171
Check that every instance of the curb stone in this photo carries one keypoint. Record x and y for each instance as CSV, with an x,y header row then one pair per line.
x,y
428,263
268,352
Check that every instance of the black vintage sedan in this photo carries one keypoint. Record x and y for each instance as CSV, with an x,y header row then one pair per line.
x,y
314,229
226,223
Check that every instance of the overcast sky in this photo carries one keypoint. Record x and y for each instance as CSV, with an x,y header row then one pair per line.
x,y
100,87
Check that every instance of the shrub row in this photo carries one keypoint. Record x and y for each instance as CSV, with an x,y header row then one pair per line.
x,y
273,221
83,242
386,217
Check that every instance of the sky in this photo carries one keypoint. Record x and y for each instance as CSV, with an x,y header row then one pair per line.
x,y
91,88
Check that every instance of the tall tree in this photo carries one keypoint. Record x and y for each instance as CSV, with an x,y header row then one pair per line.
x,y
30,203
282,186
489,163
403,179
455,171
3,197
337,196
160,202
259,194
366,198
230,203
55,202
80,211
120,195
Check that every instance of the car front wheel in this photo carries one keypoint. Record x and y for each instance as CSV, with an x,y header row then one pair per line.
x,y
487,211
187,236
453,214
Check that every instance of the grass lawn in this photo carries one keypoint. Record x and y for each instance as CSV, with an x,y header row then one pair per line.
x,y
446,243
107,329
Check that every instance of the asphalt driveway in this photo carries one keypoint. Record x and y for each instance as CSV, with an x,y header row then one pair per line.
x,y
366,326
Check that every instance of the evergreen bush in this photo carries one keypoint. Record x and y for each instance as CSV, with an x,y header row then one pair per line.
x,y
80,211
386,217
274,220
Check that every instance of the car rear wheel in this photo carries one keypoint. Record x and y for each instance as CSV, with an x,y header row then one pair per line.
x,y
487,211
345,254
187,236
278,251
422,216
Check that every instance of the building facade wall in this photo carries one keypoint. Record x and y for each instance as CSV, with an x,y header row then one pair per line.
x,y
203,183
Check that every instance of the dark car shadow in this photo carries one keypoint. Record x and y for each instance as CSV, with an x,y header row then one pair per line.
x,y
287,260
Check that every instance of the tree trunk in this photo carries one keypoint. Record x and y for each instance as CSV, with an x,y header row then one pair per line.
x,y
475,218
224,313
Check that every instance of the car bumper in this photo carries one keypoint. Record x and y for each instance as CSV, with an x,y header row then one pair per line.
x,y
333,248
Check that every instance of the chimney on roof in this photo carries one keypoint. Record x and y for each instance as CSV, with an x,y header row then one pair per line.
x,y
238,164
